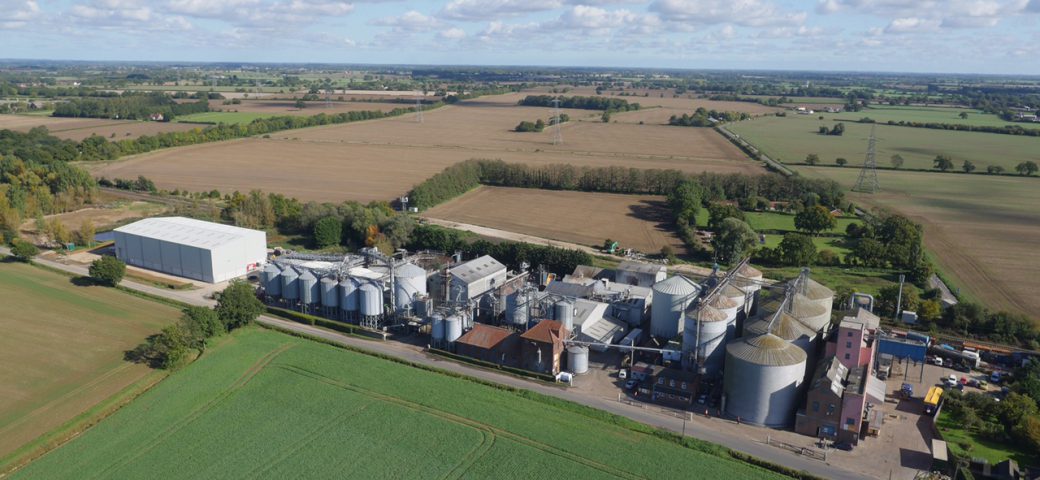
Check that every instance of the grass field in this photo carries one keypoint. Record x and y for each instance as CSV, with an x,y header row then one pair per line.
x,y
222,117
62,346
267,405
383,159
885,113
835,244
250,110
80,128
641,222
858,279
784,222
789,139
993,452
982,230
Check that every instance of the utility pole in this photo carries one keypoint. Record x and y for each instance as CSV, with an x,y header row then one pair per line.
x,y
557,134
868,180
899,298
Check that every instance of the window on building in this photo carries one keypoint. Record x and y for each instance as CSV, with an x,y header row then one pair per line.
x,y
683,386
847,356
816,406
671,383
830,409
850,422
660,381
848,344
849,334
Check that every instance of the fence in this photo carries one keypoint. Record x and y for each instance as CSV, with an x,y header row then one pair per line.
x,y
804,451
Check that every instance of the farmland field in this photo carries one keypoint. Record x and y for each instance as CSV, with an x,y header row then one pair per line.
x,y
61,352
885,113
784,222
667,99
250,110
983,230
380,160
268,405
789,139
641,222
80,128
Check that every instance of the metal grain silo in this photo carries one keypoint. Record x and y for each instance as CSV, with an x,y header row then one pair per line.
x,y
564,313
811,313
348,298
578,359
329,287
516,309
726,305
709,341
735,294
437,328
272,281
819,294
309,292
748,279
452,328
788,328
762,379
409,283
370,301
290,284
671,296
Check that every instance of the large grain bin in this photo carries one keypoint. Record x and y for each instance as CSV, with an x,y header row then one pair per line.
x,y
309,292
516,309
748,279
290,284
409,283
819,294
709,341
272,280
437,328
811,313
578,359
329,293
671,296
788,328
762,378
370,301
726,305
564,313
348,300
452,328
735,294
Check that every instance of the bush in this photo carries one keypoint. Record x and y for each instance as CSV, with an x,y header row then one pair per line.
x,y
23,251
108,270
237,305
328,232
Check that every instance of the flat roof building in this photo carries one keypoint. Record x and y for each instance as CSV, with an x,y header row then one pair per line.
x,y
195,249
476,277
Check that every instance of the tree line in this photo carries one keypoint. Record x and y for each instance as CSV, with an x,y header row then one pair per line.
x,y
512,254
1006,129
130,107
703,117
581,103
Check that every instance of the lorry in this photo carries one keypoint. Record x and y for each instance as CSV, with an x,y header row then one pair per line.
x,y
932,399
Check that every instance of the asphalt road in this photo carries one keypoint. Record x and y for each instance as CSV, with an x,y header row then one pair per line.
x,y
697,427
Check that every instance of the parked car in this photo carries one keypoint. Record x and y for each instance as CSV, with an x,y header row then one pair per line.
x,y
632,384
702,399
937,361
961,367
995,377
843,446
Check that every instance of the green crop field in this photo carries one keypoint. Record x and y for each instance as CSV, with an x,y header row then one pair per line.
x,y
223,117
885,113
982,230
835,244
61,351
789,139
784,222
268,405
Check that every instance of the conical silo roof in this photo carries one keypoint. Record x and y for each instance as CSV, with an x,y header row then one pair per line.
x,y
676,285
768,350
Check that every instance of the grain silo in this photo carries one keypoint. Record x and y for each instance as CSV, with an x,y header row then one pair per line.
x,y
788,328
819,294
516,309
370,302
748,279
811,313
309,293
709,341
452,328
437,328
726,305
348,300
290,285
329,287
671,296
762,379
564,313
272,281
409,283
578,359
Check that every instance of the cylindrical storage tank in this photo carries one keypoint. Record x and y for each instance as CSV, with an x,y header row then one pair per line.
x,y
452,328
309,292
437,327
748,279
819,294
272,280
290,284
811,313
370,300
564,313
516,309
787,328
348,296
578,359
726,305
409,283
762,380
671,296
710,341
329,292
735,294
423,305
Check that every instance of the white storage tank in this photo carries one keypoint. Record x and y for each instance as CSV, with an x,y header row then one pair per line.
x,y
735,294
452,328
671,296
348,297
272,280
564,313
819,294
748,279
309,293
762,380
811,313
516,309
370,300
726,305
329,292
290,284
578,359
710,341
437,328
409,283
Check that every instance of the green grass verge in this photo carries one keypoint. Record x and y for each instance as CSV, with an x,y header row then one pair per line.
x,y
237,118
859,279
993,452
783,222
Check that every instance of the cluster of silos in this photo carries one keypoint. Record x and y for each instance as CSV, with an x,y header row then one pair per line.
x,y
671,297
409,288
350,299
706,332
749,280
762,379
788,328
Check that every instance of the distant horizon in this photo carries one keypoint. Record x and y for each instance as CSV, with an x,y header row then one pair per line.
x,y
511,66
920,36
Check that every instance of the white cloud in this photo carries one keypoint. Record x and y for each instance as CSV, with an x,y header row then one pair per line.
x,y
791,32
410,21
912,25
480,10
753,13
17,13
452,34
933,14
584,17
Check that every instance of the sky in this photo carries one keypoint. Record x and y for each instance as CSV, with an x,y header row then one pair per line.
x,y
942,36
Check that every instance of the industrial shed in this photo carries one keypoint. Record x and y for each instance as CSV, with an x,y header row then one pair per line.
x,y
191,248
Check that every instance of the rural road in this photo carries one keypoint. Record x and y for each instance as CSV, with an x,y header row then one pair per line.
x,y
712,430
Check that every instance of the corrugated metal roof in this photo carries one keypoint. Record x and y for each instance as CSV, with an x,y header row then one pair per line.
x,y
876,389
812,314
722,302
747,271
815,291
484,336
187,231
767,350
410,270
733,292
785,327
477,269
676,285
707,314
545,331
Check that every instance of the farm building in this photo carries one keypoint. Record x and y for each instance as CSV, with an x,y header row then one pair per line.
x,y
476,277
541,347
191,248
639,273
490,344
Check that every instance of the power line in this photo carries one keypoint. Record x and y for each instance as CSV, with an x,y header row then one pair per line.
x,y
557,134
418,107
868,179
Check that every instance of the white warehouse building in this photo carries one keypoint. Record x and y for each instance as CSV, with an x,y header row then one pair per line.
x,y
191,248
